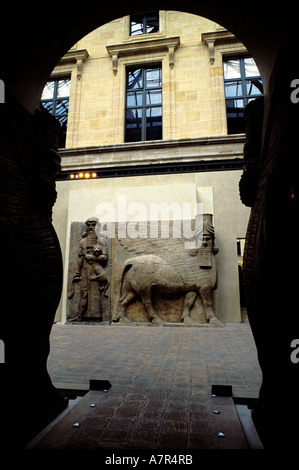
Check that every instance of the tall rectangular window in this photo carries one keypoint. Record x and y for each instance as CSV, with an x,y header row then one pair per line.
x,y
144,23
242,83
144,104
55,99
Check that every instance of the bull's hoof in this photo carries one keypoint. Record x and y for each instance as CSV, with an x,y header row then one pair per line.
x,y
125,320
188,321
216,323
158,321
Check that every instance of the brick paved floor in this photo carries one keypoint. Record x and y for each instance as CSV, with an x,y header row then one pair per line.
x,y
169,358
161,381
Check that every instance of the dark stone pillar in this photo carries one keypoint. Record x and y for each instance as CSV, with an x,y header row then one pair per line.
x,y
31,269
271,263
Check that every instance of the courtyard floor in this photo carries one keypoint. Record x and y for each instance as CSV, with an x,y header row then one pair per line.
x,y
161,379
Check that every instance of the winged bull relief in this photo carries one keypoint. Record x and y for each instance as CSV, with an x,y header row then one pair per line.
x,y
160,281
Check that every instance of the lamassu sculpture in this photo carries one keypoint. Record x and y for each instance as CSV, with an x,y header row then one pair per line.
x,y
169,269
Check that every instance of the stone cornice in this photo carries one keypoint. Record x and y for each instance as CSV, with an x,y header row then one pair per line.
x,y
76,58
142,153
154,45
215,38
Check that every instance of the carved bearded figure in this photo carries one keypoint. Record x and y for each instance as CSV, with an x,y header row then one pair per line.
x,y
90,274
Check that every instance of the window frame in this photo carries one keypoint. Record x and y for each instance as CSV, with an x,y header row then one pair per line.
x,y
144,18
55,99
242,80
144,106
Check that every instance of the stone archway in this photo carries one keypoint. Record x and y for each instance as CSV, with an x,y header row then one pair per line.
x,y
31,281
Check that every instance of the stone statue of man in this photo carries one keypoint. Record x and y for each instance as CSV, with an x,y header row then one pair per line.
x,y
90,274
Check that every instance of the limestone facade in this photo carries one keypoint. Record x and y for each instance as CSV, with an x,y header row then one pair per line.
x,y
193,89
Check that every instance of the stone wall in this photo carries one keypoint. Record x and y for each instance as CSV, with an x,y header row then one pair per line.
x,y
215,190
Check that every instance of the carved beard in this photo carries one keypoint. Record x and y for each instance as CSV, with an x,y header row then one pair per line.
x,y
205,257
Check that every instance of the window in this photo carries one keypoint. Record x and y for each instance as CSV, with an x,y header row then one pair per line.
x,y
55,99
242,83
144,23
144,104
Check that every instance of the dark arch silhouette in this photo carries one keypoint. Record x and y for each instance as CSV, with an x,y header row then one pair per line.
x,y
31,272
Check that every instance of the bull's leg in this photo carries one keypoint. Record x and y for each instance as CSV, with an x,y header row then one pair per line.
x,y
188,304
124,301
146,298
206,297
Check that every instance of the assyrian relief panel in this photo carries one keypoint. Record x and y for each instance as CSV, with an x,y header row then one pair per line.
x,y
167,278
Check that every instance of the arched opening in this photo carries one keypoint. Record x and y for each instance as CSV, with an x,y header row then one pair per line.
x,y
24,79
198,78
